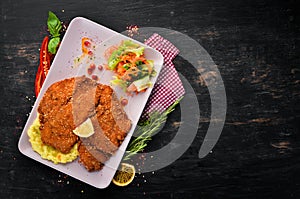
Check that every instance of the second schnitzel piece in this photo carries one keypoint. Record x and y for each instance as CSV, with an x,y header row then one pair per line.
x,y
111,126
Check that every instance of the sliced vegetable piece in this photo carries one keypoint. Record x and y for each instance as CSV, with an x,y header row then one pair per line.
x,y
131,88
137,51
143,83
39,79
119,82
44,66
45,57
114,59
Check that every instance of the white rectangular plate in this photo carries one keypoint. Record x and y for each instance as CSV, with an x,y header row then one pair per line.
x,y
62,68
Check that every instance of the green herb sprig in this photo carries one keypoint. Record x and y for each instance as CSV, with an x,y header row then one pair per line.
x,y
54,27
146,129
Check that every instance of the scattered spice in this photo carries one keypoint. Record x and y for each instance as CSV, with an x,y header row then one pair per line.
x,y
100,67
87,43
91,69
132,30
95,77
124,101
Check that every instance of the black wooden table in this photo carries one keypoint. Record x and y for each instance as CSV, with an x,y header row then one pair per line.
x,y
255,46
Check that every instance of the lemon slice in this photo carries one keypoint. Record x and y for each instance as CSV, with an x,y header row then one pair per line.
x,y
85,129
125,175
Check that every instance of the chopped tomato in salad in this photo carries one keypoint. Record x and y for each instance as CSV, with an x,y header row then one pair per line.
x,y
133,70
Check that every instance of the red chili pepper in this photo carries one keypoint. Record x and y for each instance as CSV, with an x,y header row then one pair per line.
x,y
39,80
45,56
45,61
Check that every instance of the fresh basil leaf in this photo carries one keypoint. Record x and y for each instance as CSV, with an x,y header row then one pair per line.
x,y
54,24
53,44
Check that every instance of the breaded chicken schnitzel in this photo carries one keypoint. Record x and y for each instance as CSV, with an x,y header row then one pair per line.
x,y
56,118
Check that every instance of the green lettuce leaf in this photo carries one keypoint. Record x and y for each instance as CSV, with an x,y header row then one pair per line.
x,y
119,82
138,51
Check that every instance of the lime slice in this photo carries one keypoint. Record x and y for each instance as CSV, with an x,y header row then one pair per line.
x,y
85,129
125,175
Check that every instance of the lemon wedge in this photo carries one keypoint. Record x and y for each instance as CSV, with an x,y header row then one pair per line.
x,y
85,129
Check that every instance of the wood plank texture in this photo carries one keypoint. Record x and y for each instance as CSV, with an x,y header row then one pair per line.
x,y
255,45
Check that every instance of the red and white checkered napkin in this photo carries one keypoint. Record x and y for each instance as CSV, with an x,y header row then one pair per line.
x,y
168,87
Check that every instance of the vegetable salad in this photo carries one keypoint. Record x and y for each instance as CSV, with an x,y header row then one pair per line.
x,y
133,71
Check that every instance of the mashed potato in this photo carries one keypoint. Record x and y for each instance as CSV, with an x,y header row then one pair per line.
x,y
48,152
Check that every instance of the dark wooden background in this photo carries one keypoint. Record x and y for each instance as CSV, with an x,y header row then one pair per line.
x,y
255,45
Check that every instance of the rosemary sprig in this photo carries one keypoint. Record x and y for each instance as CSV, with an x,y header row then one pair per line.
x,y
146,129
